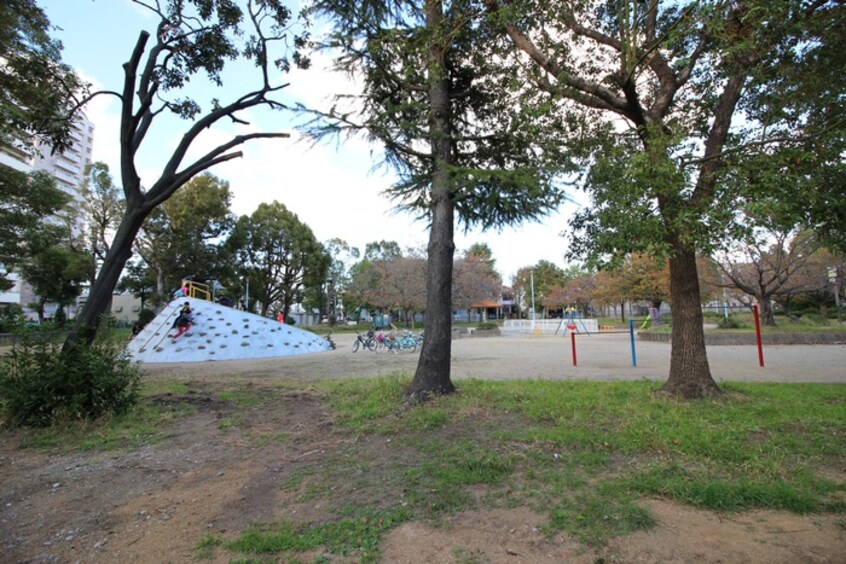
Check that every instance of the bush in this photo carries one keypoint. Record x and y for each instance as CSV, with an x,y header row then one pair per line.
x,y
145,316
11,316
40,385
814,319
487,326
729,322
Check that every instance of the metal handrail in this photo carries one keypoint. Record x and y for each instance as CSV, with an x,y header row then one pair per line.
x,y
195,288
167,321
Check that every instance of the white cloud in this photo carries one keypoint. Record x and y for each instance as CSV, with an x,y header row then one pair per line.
x,y
330,186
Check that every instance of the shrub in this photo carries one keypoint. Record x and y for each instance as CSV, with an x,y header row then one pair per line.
x,y
729,322
145,316
41,385
814,319
11,316
487,325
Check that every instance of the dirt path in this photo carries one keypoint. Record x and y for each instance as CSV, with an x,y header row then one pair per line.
x,y
218,471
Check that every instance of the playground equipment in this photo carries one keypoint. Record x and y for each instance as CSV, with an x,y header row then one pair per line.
x,y
571,320
220,333
197,290
631,333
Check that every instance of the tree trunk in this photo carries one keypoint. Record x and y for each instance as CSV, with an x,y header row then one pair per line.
x,y
433,368
690,375
100,295
160,285
767,317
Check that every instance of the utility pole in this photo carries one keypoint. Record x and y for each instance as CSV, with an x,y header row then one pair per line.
x,y
532,283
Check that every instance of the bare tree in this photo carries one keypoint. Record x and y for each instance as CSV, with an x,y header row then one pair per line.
x,y
191,36
772,264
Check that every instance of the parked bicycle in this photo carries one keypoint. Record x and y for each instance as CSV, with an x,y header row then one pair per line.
x,y
405,342
368,342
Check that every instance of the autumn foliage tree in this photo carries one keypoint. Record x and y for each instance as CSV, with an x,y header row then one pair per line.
x,y
474,280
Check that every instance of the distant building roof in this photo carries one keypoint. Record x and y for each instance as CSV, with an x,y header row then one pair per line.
x,y
485,304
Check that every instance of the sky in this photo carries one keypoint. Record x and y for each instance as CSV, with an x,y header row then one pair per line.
x,y
332,186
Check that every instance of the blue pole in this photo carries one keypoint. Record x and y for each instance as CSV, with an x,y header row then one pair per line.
x,y
631,334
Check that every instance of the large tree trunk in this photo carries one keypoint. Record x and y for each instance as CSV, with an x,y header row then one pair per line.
x,y
766,306
100,296
690,375
433,368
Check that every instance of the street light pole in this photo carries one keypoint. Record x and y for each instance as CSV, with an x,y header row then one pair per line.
x,y
532,282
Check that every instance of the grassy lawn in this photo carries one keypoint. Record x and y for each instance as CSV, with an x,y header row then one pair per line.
x,y
582,453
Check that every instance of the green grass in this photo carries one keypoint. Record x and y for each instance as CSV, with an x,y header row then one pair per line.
x,y
145,424
597,447
355,534
582,454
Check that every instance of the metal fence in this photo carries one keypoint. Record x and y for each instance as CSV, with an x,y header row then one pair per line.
x,y
549,326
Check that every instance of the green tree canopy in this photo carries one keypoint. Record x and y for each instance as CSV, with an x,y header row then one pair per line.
x,y
102,206
279,255
661,91
449,120
55,264
536,282
38,92
25,201
184,236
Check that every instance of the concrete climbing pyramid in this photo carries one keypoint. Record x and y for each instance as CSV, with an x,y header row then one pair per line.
x,y
219,333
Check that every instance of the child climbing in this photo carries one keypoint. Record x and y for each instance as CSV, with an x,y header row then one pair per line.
x,y
183,321
183,324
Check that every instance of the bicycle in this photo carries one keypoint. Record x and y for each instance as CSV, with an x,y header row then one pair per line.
x,y
407,341
369,343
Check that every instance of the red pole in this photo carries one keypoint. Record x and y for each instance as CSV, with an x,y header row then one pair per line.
x,y
758,336
573,345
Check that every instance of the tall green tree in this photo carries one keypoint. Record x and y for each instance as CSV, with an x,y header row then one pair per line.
x,y
799,95
432,97
382,250
25,201
56,265
37,97
279,255
339,273
184,236
534,283
482,252
192,38
102,206
675,75
38,92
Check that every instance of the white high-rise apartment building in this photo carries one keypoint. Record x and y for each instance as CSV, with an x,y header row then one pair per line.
x,y
68,168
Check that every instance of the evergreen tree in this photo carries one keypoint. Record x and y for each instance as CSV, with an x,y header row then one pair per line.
x,y
450,125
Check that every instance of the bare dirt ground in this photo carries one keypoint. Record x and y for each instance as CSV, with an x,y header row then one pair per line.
x,y
157,502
